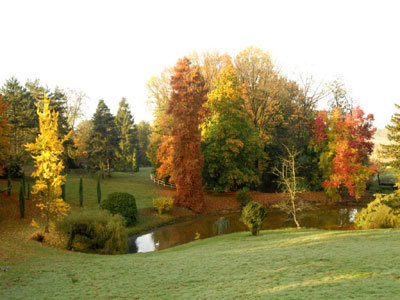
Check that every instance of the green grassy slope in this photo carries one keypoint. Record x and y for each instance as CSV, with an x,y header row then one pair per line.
x,y
137,184
287,264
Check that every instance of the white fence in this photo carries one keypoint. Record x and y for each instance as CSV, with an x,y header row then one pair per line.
x,y
160,182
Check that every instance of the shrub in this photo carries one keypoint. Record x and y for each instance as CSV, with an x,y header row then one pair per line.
x,y
123,204
162,204
243,196
100,231
13,168
221,226
253,215
381,213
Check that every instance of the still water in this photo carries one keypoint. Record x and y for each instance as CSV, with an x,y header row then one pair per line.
x,y
183,232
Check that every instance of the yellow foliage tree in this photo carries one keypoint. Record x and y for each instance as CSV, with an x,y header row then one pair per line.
x,y
46,152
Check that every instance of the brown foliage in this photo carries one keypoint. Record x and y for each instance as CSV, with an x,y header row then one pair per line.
x,y
186,107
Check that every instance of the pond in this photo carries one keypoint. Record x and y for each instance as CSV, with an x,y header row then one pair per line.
x,y
324,217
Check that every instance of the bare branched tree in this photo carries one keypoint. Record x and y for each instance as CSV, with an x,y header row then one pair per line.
x,y
289,182
75,102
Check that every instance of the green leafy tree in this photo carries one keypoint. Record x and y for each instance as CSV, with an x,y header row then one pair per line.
x,y
21,113
143,134
231,143
103,139
127,134
392,150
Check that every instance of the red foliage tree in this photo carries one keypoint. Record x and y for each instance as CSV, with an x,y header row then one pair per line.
x,y
186,107
345,143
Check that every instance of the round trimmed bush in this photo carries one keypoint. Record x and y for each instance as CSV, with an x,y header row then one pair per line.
x,y
123,204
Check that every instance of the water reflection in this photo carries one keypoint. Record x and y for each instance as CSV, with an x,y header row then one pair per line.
x,y
145,243
184,232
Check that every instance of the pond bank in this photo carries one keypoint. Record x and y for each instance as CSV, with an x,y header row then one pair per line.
x,y
217,204
189,229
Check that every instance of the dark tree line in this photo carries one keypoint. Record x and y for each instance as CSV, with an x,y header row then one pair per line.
x,y
104,142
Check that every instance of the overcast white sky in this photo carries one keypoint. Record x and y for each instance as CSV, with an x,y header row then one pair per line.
x,y
109,49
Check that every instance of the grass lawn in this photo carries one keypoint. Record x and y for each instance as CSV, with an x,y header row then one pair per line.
x,y
137,184
286,264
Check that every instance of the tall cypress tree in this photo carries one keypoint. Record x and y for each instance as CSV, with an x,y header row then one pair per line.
x,y
103,139
186,108
81,192
21,201
127,134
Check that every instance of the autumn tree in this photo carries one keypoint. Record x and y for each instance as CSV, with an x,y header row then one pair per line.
x,y
4,131
344,141
81,140
103,139
231,143
159,151
281,110
127,134
46,152
211,64
257,72
186,108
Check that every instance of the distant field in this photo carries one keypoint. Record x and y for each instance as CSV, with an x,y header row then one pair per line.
x,y
380,138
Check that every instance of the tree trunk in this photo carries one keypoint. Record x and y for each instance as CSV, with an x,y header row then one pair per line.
x,y
108,168
46,228
294,215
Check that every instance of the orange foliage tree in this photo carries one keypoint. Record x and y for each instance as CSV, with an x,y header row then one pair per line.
x,y
4,130
186,107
